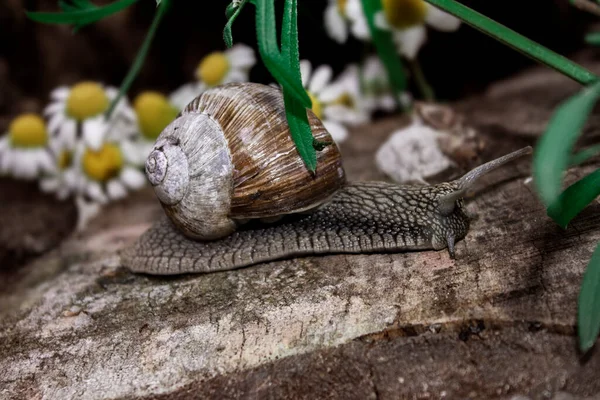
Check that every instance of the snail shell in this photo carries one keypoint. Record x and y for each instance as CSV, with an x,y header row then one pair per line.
x,y
229,157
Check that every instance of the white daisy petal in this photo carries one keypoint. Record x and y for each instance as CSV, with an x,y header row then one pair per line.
x,y
410,40
54,108
68,133
115,190
356,15
236,75
133,178
335,25
441,20
49,185
381,21
344,114
305,70
46,163
86,210
184,95
94,133
337,131
95,192
60,93
320,78
55,122
25,165
241,56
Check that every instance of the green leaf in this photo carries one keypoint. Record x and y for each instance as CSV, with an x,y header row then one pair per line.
x,y
232,12
584,155
593,38
575,198
266,33
83,13
140,57
588,308
386,50
300,129
553,152
518,42
295,110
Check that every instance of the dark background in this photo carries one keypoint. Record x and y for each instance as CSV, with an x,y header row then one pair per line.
x,y
35,58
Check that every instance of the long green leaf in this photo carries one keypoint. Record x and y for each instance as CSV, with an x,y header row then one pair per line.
x,y
516,41
300,129
385,48
141,55
575,198
593,38
295,110
266,32
81,16
584,155
553,152
588,313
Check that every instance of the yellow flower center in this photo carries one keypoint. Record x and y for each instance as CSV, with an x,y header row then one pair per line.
x,y
86,99
28,130
345,100
317,107
154,113
402,14
213,68
64,159
104,164
341,7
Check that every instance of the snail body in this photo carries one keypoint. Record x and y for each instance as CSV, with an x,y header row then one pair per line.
x,y
211,181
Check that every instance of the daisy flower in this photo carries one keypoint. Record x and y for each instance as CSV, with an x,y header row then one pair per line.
x,y
154,112
377,91
23,152
344,15
318,87
106,173
60,181
78,111
407,18
217,68
344,100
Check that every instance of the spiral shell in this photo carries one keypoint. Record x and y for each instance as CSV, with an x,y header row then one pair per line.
x,y
229,157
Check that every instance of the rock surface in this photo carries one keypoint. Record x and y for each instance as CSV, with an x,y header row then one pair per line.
x,y
499,322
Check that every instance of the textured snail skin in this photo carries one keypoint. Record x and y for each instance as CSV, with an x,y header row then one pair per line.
x,y
361,218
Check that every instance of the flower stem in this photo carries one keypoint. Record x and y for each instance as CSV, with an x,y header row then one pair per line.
x,y
424,86
140,57
518,42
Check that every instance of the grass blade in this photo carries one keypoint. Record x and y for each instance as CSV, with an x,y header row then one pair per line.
x,y
516,41
553,152
80,17
266,33
575,198
300,129
588,308
295,110
584,155
385,48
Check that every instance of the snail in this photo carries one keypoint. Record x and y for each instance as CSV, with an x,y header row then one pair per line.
x,y
236,193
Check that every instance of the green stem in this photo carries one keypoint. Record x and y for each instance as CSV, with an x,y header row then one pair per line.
x,y
385,49
518,42
140,57
424,86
